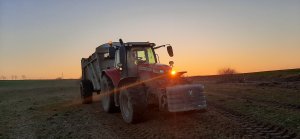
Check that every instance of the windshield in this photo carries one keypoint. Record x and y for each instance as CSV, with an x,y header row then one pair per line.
x,y
143,54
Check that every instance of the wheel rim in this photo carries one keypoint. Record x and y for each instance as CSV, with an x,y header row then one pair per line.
x,y
125,105
164,102
105,99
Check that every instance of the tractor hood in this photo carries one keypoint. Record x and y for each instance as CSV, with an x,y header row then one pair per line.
x,y
155,68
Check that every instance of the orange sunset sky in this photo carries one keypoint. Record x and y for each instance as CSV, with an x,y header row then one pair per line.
x,y
43,39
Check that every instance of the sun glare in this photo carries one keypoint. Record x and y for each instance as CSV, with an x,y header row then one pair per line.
x,y
173,72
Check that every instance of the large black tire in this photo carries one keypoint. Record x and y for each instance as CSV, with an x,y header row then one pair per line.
x,y
107,93
133,103
86,91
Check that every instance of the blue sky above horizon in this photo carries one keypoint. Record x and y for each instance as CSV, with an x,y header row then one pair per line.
x,y
42,39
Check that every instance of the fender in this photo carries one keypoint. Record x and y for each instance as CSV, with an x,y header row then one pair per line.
x,y
123,81
113,74
115,77
127,80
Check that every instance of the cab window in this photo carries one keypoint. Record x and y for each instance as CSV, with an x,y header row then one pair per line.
x,y
151,58
141,54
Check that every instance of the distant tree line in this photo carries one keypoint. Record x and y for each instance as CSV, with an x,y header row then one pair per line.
x,y
227,71
229,75
13,77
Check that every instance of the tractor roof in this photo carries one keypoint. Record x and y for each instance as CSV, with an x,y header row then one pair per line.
x,y
139,44
104,47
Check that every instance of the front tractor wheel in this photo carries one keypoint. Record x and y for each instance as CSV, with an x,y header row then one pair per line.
x,y
86,91
163,103
133,103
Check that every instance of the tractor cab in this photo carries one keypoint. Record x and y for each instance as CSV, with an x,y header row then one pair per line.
x,y
132,57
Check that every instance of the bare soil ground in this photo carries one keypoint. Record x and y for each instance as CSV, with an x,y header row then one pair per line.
x,y
52,109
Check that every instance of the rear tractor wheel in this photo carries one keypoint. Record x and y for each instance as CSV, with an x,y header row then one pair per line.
x,y
107,91
133,103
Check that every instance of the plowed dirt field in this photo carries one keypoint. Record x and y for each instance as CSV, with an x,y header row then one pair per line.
x,y
52,109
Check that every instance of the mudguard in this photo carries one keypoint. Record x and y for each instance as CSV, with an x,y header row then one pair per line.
x,y
185,98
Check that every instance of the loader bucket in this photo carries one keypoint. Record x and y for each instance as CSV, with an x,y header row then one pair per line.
x,y
185,98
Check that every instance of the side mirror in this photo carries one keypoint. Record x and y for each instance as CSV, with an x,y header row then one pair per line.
x,y
171,63
170,51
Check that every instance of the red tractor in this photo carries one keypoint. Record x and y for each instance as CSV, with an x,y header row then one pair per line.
x,y
128,76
